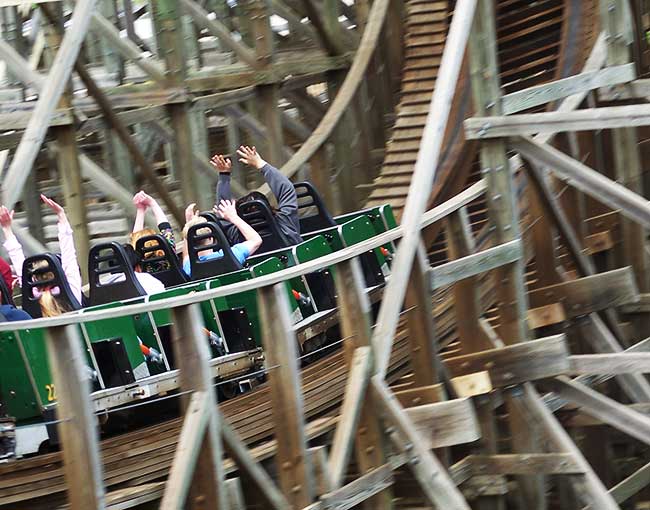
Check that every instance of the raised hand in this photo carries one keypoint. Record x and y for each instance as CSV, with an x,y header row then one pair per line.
x,y
141,200
227,210
54,206
222,164
6,217
249,156
190,212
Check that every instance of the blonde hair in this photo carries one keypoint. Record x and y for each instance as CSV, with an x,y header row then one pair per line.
x,y
133,239
195,221
50,306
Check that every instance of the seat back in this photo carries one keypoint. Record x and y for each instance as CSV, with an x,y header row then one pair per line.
x,y
311,209
33,270
208,268
110,274
159,259
259,216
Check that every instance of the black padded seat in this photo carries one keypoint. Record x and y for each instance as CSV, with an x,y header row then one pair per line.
x,y
111,276
202,269
312,211
164,266
259,216
33,268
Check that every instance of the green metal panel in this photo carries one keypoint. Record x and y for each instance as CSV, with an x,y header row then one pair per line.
x,y
125,328
16,388
311,249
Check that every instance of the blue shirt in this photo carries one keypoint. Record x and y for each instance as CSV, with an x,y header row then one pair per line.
x,y
12,313
239,250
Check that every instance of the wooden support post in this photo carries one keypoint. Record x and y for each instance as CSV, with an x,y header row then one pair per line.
x,y
268,95
293,464
192,354
355,326
68,157
32,204
117,159
319,172
467,304
113,61
422,336
78,426
167,20
504,218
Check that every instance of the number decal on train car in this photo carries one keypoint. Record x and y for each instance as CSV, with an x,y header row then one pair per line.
x,y
51,392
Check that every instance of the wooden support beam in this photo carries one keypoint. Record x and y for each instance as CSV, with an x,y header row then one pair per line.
x,y
618,363
355,392
475,264
57,79
632,485
585,179
514,364
434,481
355,326
242,456
221,99
599,406
220,31
294,469
559,89
588,487
77,429
189,444
128,49
191,351
526,464
637,89
610,117
589,294
360,490
422,336
443,424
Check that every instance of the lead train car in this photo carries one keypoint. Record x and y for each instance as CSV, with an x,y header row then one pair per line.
x,y
120,372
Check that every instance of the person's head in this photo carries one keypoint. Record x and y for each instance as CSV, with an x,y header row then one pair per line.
x,y
50,305
135,236
197,220
254,195
132,257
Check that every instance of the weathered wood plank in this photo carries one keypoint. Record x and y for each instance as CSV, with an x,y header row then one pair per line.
x,y
477,263
422,395
526,464
359,490
610,117
445,423
558,89
590,293
513,364
546,315
619,363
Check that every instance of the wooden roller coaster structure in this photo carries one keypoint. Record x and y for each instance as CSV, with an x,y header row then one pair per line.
x,y
531,323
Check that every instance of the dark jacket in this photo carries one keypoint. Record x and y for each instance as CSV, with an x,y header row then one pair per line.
x,y
285,194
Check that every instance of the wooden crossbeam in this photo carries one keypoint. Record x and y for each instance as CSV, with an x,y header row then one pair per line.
x,y
435,482
631,485
477,263
599,406
189,444
221,99
513,364
585,179
359,490
618,363
558,89
57,79
637,89
589,294
526,464
219,30
20,119
478,128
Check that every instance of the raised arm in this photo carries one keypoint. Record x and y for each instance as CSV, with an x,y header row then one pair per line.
x,y
223,165
140,211
281,186
252,240
164,226
68,252
11,244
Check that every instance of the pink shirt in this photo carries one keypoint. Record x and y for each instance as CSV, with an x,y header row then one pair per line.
x,y
68,258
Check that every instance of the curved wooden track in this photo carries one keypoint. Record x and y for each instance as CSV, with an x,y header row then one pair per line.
x,y
538,42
